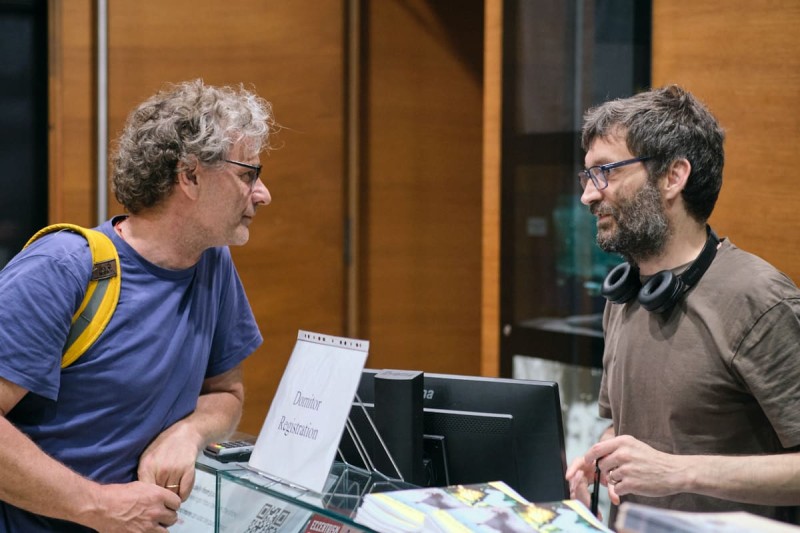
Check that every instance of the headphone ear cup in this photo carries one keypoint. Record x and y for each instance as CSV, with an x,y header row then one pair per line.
x,y
661,292
621,284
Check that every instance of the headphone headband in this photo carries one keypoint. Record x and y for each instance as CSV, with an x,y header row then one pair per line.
x,y
703,261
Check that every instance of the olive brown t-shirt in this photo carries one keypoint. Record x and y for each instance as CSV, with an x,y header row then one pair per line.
x,y
719,374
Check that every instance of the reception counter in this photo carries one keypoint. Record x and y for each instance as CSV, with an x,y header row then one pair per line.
x,y
233,498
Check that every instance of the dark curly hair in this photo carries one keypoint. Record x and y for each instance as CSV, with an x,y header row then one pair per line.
x,y
666,124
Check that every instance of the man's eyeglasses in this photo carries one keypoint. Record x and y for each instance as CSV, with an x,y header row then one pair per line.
x,y
251,177
599,173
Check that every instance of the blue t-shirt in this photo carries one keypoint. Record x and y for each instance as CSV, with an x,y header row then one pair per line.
x,y
171,330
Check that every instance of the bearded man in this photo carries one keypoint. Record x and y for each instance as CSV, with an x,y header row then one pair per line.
x,y
701,365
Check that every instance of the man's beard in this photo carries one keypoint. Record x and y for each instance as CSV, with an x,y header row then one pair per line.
x,y
642,227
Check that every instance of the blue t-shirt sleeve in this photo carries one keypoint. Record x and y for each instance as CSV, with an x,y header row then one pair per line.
x,y
40,290
236,335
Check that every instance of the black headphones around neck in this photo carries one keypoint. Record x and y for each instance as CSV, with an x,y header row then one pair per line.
x,y
662,291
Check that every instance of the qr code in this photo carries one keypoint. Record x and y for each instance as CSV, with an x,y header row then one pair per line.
x,y
269,519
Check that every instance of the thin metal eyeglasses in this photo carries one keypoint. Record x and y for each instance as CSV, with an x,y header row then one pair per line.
x,y
599,173
252,177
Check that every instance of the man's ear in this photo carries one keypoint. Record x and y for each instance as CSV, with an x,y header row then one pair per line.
x,y
677,178
187,181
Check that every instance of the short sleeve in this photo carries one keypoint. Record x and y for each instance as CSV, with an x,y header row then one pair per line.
x,y
40,290
236,334
768,362
604,404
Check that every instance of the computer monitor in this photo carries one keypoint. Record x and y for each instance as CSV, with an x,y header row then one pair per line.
x,y
480,429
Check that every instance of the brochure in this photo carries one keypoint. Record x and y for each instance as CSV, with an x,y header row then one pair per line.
x,y
488,507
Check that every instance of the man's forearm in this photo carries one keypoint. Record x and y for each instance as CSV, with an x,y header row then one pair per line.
x,y
219,407
217,415
764,480
34,481
218,410
169,460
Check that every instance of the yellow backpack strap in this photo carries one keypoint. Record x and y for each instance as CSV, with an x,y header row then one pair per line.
x,y
102,294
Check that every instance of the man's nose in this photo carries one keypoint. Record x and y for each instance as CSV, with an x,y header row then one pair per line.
x,y
590,193
261,194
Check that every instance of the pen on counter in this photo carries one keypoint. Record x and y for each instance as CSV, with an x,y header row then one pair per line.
x,y
596,491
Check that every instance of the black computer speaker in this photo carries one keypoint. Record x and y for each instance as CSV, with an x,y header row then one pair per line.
x,y
398,418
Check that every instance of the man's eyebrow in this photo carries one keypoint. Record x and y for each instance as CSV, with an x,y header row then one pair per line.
x,y
599,163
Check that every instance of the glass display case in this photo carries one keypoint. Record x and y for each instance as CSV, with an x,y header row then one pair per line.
x,y
233,498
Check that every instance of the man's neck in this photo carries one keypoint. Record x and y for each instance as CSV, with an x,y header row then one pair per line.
x,y
160,239
683,246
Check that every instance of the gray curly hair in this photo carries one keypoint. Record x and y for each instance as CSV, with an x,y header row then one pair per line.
x,y
179,126
666,124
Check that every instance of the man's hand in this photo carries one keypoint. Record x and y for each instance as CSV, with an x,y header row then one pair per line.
x,y
580,475
169,461
136,507
630,466
582,472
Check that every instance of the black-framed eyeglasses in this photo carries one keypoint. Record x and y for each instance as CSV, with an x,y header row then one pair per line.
x,y
599,173
251,177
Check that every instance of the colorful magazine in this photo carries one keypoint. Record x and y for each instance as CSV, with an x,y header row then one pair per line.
x,y
553,517
489,507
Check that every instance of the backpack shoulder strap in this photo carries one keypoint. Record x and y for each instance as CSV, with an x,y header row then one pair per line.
x,y
102,294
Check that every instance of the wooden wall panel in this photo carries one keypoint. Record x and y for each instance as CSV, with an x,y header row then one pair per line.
x,y
492,162
291,53
420,161
743,59
72,112
421,206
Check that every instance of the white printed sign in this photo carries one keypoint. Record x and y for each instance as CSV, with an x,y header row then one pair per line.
x,y
301,433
